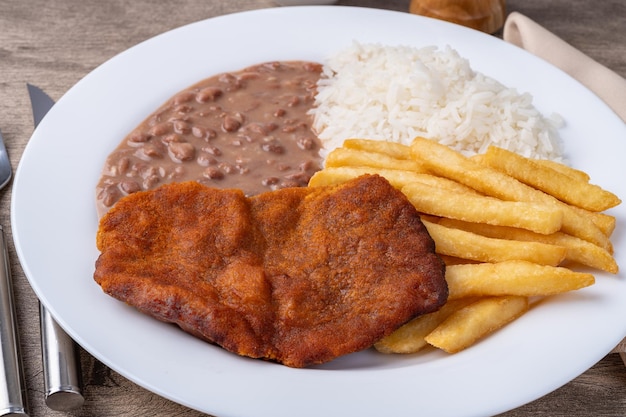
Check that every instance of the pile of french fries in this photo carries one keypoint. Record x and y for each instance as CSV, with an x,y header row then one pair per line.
x,y
510,229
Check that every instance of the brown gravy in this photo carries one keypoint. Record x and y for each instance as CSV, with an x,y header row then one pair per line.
x,y
247,129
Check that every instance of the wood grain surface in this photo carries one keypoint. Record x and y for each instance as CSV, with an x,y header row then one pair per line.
x,y
54,43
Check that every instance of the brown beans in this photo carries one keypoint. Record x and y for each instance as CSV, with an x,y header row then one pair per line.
x,y
230,124
183,109
182,127
171,138
306,143
150,151
270,181
109,194
209,94
139,137
129,186
231,81
177,173
213,173
123,165
182,151
203,133
183,97
205,160
261,128
160,129
150,182
226,167
291,126
273,147
213,150
247,129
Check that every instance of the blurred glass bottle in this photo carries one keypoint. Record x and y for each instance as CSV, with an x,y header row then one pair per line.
x,y
484,15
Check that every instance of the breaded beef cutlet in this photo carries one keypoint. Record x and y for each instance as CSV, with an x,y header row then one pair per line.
x,y
299,276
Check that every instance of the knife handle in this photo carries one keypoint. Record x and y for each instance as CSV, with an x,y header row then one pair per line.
x,y
61,365
12,387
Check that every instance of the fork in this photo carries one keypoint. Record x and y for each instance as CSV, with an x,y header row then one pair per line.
x,y
12,385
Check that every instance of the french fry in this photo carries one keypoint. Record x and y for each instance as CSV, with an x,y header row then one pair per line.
x,y
410,337
565,169
539,218
578,250
352,157
461,244
474,322
442,183
604,222
442,160
392,149
562,186
338,175
396,177
520,278
557,166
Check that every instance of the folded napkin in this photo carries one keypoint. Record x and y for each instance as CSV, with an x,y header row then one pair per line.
x,y
606,84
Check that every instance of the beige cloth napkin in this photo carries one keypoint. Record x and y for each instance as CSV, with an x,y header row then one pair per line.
x,y
606,84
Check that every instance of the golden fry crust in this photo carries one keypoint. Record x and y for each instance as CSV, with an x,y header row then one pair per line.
x,y
299,276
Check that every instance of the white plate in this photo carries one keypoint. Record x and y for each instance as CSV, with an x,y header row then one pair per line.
x,y
54,225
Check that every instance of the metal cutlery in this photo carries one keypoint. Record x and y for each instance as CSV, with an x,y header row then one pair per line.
x,y
13,399
61,364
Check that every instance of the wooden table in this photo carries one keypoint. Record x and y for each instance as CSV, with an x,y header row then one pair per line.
x,y
54,43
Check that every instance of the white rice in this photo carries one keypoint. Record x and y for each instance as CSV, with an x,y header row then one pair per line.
x,y
396,93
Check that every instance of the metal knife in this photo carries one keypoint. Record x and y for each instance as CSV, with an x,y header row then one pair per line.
x,y
61,363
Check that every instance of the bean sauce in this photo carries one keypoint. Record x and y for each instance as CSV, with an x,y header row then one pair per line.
x,y
247,129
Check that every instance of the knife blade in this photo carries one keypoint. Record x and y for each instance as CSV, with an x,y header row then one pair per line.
x,y
61,364
40,102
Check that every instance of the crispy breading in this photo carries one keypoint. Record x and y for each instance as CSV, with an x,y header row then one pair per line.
x,y
299,276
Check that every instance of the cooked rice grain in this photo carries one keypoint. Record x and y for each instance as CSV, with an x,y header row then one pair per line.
x,y
395,93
